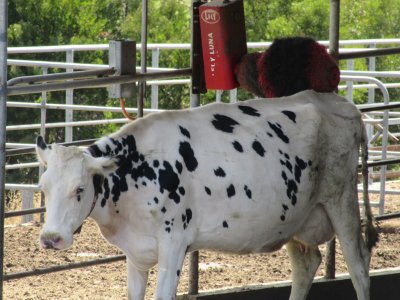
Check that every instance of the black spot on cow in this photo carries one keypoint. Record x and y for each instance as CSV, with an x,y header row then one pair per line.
x,y
291,115
248,191
174,196
283,215
278,131
310,163
167,178
97,184
186,151
219,172
231,191
224,123
106,192
108,151
189,214
156,163
208,191
182,190
248,110
155,200
298,168
143,170
119,186
163,210
178,167
184,131
95,151
40,143
292,191
284,177
225,224
238,147
168,229
258,148
289,166
178,273
141,157
270,134
186,218
167,222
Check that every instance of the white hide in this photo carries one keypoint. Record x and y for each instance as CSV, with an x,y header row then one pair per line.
x,y
278,171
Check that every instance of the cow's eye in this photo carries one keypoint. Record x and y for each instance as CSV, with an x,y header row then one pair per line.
x,y
79,191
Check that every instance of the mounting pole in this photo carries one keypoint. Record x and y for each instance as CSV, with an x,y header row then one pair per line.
x,y
143,57
3,115
334,51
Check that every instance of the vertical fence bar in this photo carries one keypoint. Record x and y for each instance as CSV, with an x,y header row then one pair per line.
x,y
197,87
3,114
155,63
349,84
69,100
233,96
43,113
371,99
143,57
334,50
218,95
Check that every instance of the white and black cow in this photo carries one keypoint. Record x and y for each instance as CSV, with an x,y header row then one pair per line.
x,y
245,177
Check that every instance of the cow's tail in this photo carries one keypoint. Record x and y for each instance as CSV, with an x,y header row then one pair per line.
x,y
370,231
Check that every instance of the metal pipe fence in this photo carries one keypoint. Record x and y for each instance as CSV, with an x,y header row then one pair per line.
x,y
144,77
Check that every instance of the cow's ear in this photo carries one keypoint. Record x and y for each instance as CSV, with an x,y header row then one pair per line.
x,y
42,150
100,165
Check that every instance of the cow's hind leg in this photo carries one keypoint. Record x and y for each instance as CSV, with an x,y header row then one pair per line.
x,y
345,219
305,261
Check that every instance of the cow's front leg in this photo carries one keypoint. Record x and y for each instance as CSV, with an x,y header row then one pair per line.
x,y
171,256
137,281
305,261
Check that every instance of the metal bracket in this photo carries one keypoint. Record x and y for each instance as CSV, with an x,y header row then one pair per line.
x,y
122,57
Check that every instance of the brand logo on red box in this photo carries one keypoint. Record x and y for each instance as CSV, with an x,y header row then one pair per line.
x,y
210,16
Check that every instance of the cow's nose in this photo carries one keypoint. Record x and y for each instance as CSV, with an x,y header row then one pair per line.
x,y
53,242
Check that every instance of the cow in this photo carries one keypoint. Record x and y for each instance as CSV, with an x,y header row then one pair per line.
x,y
247,177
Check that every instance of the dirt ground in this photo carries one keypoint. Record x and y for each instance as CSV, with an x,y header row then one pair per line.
x,y
109,281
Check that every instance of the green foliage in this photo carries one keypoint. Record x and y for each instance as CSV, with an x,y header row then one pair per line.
x,y
59,22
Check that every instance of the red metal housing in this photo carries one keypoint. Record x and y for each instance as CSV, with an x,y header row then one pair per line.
x,y
223,38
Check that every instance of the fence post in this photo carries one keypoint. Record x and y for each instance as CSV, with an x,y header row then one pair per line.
x,y
155,63
43,113
69,99
371,99
349,84
27,202
334,51
3,115
233,96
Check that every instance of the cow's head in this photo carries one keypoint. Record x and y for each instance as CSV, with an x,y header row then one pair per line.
x,y
69,184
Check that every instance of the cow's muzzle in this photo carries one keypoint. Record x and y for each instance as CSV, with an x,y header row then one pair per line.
x,y
52,241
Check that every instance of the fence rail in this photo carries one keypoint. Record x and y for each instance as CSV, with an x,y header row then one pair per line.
x,y
382,119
